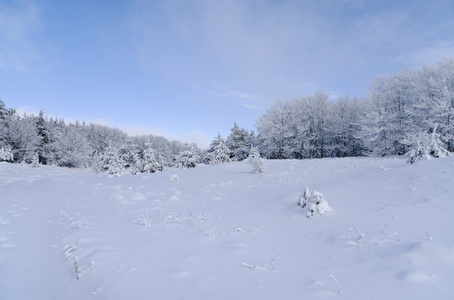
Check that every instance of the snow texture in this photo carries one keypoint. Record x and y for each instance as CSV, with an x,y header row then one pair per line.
x,y
222,232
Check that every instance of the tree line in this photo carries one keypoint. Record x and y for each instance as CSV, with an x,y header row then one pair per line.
x,y
401,112
39,140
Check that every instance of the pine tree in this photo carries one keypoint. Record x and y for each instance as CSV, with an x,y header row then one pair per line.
x,y
6,154
256,161
6,116
150,162
110,161
130,156
239,142
35,161
188,158
219,153
43,136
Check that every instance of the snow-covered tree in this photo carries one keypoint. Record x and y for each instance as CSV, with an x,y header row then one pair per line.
x,y
22,137
130,156
188,158
6,117
43,137
282,130
35,161
343,126
432,148
150,161
71,147
6,154
256,161
436,100
218,153
239,141
110,161
100,137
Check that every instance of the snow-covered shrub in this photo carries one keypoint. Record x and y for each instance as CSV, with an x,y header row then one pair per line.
x,y
431,149
305,197
315,204
256,161
6,154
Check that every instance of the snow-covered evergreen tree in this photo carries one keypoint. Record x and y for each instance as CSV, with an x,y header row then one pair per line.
x,y
150,161
43,136
35,161
218,153
188,158
6,116
110,161
6,154
239,142
256,161
130,156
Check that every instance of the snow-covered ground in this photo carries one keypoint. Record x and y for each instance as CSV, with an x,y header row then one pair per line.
x,y
223,232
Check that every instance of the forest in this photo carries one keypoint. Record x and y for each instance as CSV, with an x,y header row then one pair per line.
x,y
410,110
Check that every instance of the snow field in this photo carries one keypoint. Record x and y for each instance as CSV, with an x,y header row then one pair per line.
x,y
223,232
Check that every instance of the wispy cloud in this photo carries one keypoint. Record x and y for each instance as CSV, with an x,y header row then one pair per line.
x,y
253,107
429,54
218,90
18,22
240,98
284,49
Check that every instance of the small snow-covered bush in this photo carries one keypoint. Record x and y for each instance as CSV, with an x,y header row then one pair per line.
x,y
304,198
315,204
256,161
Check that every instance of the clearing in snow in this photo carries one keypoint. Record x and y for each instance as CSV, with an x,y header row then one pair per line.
x,y
225,232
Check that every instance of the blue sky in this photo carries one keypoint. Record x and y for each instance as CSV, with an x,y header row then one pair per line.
x,y
189,69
